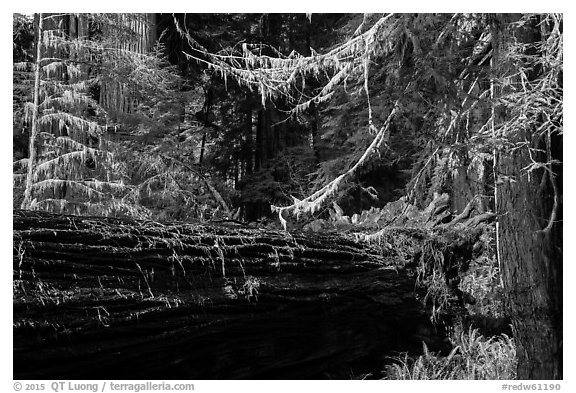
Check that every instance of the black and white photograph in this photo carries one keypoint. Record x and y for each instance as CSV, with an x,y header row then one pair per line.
x,y
286,196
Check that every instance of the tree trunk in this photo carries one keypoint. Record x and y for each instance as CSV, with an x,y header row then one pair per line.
x,y
531,268
141,29
530,241
32,148
202,149
249,154
314,122
205,119
314,131
258,153
102,298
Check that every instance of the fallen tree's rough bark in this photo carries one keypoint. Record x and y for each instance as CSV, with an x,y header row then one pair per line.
x,y
109,298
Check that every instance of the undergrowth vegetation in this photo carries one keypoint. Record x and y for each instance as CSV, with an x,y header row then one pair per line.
x,y
458,279
473,357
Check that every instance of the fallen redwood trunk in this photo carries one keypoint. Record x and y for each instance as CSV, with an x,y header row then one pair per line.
x,y
108,298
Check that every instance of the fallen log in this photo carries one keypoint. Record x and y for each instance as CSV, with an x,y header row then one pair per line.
x,y
102,298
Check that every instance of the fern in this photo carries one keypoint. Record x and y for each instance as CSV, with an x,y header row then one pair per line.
x,y
473,357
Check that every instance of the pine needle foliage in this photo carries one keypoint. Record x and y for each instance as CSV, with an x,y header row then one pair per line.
x,y
277,77
169,189
76,168
69,157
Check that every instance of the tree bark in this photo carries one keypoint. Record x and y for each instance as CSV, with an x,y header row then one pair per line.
x,y
531,269
249,154
205,119
32,149
114,96
530,242
102,298
314,121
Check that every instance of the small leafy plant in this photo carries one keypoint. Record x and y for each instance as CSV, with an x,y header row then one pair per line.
x,y
473,356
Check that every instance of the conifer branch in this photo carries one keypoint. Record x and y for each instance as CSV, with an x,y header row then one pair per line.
x,y
77,122
314,202
276,77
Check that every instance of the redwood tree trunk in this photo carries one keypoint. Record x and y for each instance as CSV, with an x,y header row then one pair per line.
x,y
102,298
531,268
114,96
530,210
